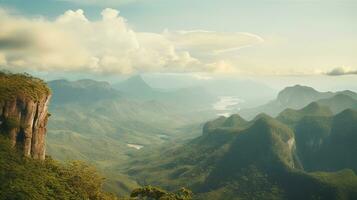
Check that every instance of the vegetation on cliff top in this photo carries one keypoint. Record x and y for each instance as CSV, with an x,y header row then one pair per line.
x,y
24,85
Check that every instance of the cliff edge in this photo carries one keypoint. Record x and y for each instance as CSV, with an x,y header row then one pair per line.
x,y
24,112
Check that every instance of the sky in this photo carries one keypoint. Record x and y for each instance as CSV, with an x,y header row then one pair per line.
x,y
212,37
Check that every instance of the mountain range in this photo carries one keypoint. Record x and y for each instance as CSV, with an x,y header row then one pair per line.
x,y
298,96
137,136
301,154
100,123
189,98
105,125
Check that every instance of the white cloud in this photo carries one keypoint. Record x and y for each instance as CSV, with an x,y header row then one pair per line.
x,y
210,42
110,45
339,71
71,15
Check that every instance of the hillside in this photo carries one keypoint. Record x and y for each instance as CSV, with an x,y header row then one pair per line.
x,y
261,159
23,178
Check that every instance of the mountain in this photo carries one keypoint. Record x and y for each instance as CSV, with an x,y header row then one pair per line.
x,y
233,122
291,117
265,158
348,93
190,99
84,91
297,97
340,102
135,86
339,149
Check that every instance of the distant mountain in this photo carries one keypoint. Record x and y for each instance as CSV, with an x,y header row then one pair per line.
x,y
263,159
340,102
137,87
348,93
83,91
188,98
297,97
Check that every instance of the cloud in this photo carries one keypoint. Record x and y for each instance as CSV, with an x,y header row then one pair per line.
x,y
339,71
211,42
72,42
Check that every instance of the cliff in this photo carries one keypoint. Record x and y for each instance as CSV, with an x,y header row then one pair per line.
x,y
24,112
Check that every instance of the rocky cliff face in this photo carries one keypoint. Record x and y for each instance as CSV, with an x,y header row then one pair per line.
x,y
24,114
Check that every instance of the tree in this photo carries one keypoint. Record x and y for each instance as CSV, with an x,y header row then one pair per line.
x,y
154,193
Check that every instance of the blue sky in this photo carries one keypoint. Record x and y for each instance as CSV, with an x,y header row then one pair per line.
x,y
297,37
263,16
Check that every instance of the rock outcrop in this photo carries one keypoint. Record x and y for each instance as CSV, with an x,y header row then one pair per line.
x,y
24,113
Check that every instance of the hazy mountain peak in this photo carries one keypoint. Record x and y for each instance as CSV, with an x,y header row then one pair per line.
x,y
298,87
136,86
134,82
136,78
295,94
